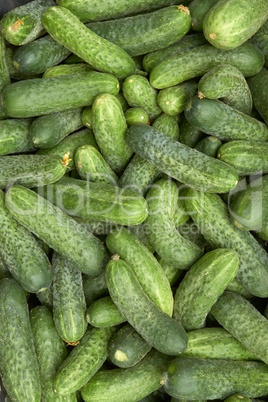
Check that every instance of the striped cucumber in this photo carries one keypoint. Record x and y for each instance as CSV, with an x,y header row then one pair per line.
x,y
103,313
4,71
67,69
94,288
14,136
136,115
209,146
198,10
259,87
173,100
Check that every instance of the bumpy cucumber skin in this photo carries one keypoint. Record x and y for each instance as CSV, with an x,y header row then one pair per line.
x,y
194,378
236,286
81,248
209,146
69,31
190,231
136,115
198,10
196,62
246,157
157,328
19,366
41,96
4,76
14,136
94,288
189,135
128,385
259,88
67,69
260,39
168,125
223,121
148,271
87,117
173,100
227,82
109,126
211,215
83,361
104,313
227,24
241,319
179,161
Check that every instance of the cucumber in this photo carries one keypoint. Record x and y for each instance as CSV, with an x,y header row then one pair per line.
x,y
189,135
103,55
149,273
47,131
87,117
41,96
127,348
179,161
223,121
236,286
94,288
23,24
109,122
157,328
226,82
211,215
260,39
173,100
198,10
136,115
209,146
104,313
259,87
190,231
148,32
4,71
83,361
216,343
123,102
172,273
202,285
127,385
73,59
167,125
67,69
197,61
46,297
4,272
14,136
194,378
227,24
57,229
247,157
19,366
237,398
139,231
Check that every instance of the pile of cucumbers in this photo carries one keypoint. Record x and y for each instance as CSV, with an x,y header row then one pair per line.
x,y
134,201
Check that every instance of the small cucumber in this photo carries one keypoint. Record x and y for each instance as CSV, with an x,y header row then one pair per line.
x,y
4,71
46,297
259,87
103,313
67,69
14,136
87,117
168,125
94,288
198,10
136,115
189,135
64,27
260,39
173,100
209,146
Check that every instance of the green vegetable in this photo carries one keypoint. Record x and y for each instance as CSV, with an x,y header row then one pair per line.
x,y
198,10
136,115
67,69
259,87
173,100
4,76
104,313
14,136
209,146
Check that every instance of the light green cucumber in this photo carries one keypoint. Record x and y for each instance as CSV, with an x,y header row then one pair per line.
x,y
14,136
4,76
181,215
198,10
209,146
260,39
189,135
67,69
259,87
87,117
139,231
4,272
173,100
103,313
136,115
168,125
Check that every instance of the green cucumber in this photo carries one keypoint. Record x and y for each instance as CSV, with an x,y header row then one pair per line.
x,y
179,161
103,313
4,272
109,123
139,231
23,24
47,131
190,231
4,76
168,125
259,87
172,273
67,69
181,215
87,117
260,39
202,285
227,24
46,297
148,271
198,10
41,96
19,366
123,102
83,361
226,82
189,135
196,62
209,146
94,288
223,121
194,378
211,215
136,115
127,347
236,286
103,55
57,229
173,100
247,157
157,328
127,385
14,136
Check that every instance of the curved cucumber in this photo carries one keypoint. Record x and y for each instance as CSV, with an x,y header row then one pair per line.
x,y
259,87
260,39
209,146
198,10
189,135
94,288
104,313
14,136
136,115
4,71
168,125
67,69
173,100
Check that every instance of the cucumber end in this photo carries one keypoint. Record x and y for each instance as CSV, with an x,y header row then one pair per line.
x,y
120,356
184,9
116,257
65,160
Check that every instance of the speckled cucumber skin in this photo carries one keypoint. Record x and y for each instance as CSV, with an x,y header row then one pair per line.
x,y
67,69
194,378
214,117
168,125
211,215
260,39
136,115
190,231
148,271
236,286
189,135
216,343
209,146
127,385
202,285
103,313
172,273
196,62
69,31
259,88
39,216
4,71
228,24
109,126
41,96
247,157
46,297
241,319
87,117
94,288
23,24
83,361
179,161
157,328
19,366
145,33
14,136
198,10
227,82
173,100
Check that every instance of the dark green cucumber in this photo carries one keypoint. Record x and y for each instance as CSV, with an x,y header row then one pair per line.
x,y
94,288
19,366
14,136
173,100
236,286
198,10
57,229
179,161
259,87
196,62
83,361
209,146
136,115
237,397
228,24
87,117
157,328
211,215
4,272
148,32
46,297
67,69
103,313
127,347
247,157
105,56
260,39
190,231
167,125
189,135
4,76
172,273
223,121
41,96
